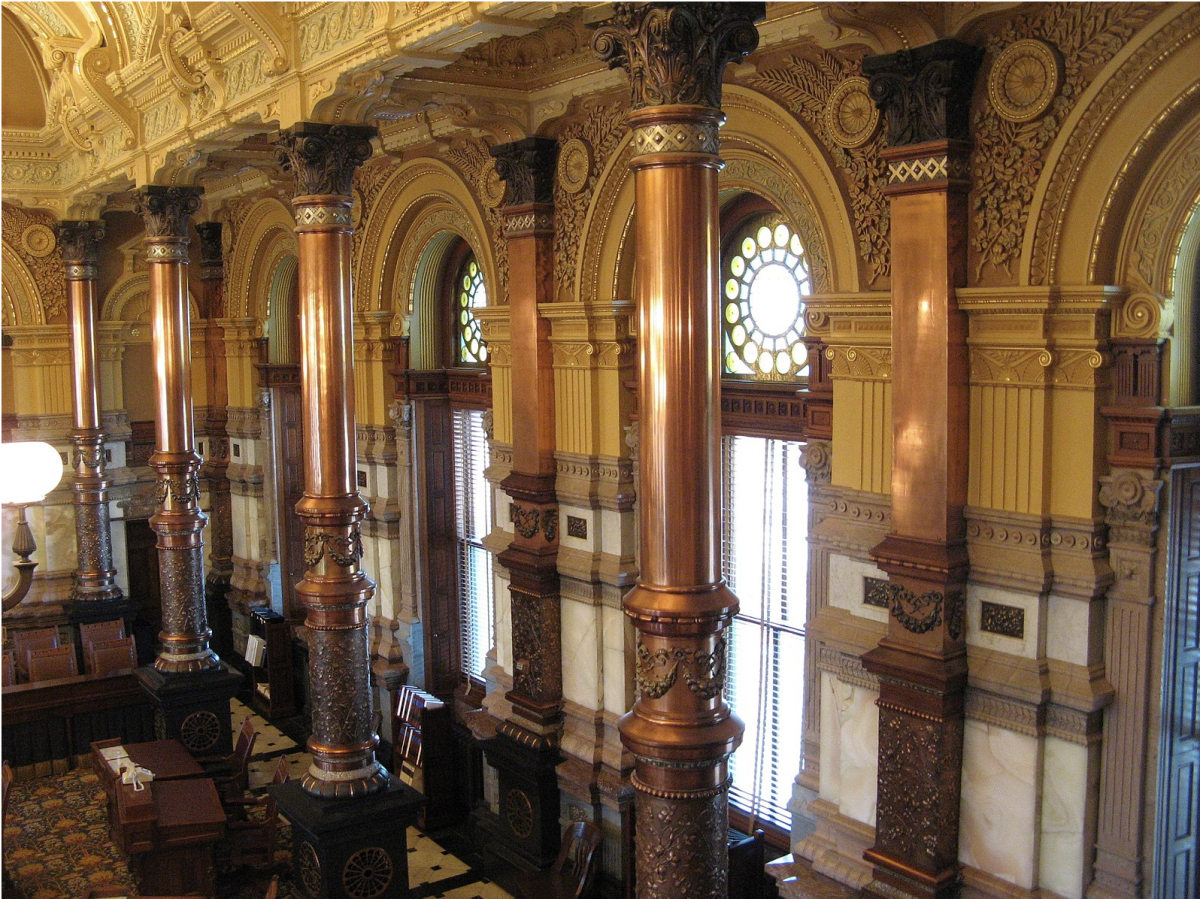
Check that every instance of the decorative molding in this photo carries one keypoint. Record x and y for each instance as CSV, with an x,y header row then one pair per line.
x,y
46,270
345,549
675,54
1130,499
860,363
677,137
851,116
657,672
817,459
1025,78
928,168
1007,621
1010,366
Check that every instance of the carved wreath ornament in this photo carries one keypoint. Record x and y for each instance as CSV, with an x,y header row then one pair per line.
x,y
703,672
345,549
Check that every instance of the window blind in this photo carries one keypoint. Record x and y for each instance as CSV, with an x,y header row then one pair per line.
x,y
765,561
473,518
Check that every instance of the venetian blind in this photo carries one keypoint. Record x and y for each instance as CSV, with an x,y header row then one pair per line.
x,y
765,560
473,518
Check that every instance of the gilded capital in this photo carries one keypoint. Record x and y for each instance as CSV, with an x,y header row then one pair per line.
x,y
323,157
166,210
210,248
675,53
80,241
925,93
528,168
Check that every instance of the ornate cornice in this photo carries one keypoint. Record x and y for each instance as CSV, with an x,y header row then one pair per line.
x,y
925,93
528,168
166,210
323,157
675,54
80,241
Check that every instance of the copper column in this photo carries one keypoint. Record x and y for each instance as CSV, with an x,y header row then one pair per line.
x,y
178,523
528,168
335,590
216,463
922,662
95,576
680,730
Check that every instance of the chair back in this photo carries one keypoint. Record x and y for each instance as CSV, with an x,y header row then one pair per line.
x,y
106,656
53,662
24,642
574,861
281,772
245,744
10,669
94,632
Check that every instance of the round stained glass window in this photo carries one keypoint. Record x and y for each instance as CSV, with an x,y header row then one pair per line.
x,y
471,294
766,280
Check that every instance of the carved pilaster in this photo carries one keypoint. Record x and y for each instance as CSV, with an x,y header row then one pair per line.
x,y
680,730
335,590
95,576
925,94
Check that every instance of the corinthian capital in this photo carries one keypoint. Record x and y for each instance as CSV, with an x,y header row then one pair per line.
x,y
528,167
675,53
324,157
166,210
80,241
925,92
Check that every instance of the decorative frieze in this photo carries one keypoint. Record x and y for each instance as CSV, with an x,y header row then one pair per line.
x,y
1007,621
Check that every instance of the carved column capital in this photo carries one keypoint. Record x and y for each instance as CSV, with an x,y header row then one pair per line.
x,y
323,157
675,53
166,210
212,266
925,92
528,167
80,242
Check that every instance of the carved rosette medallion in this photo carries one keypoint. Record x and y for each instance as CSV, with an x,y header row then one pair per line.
x,y
493,191
323,157
574,164
675,54
367,873
851,116
200,731
1025,79
518,812
38,240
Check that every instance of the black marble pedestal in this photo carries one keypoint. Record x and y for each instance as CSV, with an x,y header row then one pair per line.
x,y
350,848
527,831
193,708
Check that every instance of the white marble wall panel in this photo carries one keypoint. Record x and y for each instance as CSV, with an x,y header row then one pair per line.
x,y
617,679
503,622
1065,788
849,748
1029,646
999,815
581,653
846,586
617,532
1069,630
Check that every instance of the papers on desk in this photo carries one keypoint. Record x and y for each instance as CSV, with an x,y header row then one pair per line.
x,y
116,756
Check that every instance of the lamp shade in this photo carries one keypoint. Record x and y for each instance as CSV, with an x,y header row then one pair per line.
x,y
28,471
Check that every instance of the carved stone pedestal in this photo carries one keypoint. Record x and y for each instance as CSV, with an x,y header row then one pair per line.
x,y
193,707
527,832
350,850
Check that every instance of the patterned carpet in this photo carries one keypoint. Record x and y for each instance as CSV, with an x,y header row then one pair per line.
x,y
56,843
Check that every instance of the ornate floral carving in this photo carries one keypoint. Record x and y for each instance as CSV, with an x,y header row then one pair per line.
x,y
550,524
324,157
817,459
527,166
574,165
525,521
47,269
806,84
703,672
851,116
472,157
997,618
182,490
167,210
919,613
676,53
211,256
80,241
1009,155
1152,252
1024,79
925,92
344,549
681,846
1130,498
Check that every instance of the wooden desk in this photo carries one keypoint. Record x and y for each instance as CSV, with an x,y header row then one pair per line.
x,y
168,830
168,759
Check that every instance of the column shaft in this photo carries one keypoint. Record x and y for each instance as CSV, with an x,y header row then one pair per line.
x,y
95,576
335,590
179,521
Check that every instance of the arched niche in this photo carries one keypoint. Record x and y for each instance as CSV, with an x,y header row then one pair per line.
x,y
21,302
283,312
265,235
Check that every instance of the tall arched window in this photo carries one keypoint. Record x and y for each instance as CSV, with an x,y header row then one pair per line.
x,y
765,279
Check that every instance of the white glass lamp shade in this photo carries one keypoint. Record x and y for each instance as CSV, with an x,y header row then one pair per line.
x,y
28,471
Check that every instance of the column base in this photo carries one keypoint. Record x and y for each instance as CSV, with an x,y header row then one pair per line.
x,y
527,831
81,610
347,850
891,884
193,708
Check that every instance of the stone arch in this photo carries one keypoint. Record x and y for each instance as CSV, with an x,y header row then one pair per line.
x,y
1090,178
21,302
266,234
129,301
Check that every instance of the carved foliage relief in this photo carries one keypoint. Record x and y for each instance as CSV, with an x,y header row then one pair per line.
x,y
681,846
28,234
472,157
808,84
1010,151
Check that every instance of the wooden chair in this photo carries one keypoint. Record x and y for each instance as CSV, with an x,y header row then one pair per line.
x,y
229,772
571,874
51,663
95,632
24,642
250,840
106,656
10,669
